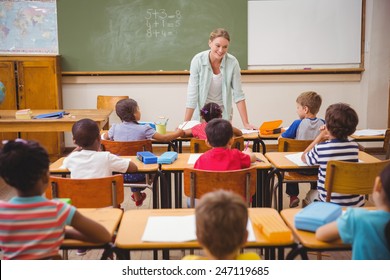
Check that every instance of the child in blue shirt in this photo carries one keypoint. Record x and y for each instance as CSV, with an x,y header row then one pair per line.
x,y
367,230
306,128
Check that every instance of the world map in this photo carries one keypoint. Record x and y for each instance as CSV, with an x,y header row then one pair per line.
x,y
28,27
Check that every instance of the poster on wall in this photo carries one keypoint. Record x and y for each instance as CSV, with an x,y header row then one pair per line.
x,y
28,27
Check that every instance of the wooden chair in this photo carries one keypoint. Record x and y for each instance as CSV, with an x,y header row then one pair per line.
x,y
108,102
198,182
200,146
129,148
293,145
351,177
88,193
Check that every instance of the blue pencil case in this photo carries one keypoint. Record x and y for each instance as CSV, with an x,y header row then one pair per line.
x,y
147,157
55,115
317,214
167,158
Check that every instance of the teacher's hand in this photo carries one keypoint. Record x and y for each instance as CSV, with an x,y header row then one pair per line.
x,y
250,126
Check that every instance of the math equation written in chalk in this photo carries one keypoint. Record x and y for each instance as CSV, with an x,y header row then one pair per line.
x,y
161,23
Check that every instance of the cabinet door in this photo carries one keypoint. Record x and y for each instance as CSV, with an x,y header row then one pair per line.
x,y
39,89
7,77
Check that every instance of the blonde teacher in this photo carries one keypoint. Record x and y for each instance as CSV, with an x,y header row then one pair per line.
x,y
215,77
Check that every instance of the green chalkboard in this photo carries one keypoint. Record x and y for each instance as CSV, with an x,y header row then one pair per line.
x,y
145,35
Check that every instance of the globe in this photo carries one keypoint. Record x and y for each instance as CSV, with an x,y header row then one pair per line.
x,y
2,92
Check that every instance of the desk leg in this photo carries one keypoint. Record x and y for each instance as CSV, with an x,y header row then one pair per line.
x,y
156,190
298,250
178,190
165,189
261,184
270,189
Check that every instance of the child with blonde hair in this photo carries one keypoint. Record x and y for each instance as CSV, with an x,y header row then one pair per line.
x,y
221,221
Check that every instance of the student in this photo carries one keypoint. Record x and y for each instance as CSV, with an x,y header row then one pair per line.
x,y
33,227
209,111
221,221
307,127
129,130
367,230
341,121
221,157
87,161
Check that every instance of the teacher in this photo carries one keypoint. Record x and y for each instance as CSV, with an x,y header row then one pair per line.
x,y
215,76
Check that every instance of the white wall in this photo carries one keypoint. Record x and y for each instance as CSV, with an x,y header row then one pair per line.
x,y
265,100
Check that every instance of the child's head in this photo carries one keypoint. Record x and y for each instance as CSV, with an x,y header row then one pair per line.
x,y
221,220
311,100
23,164
127,110
211,111
85,133
341,120
219,132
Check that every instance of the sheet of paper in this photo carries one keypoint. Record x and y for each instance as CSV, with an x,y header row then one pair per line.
x,y
296,158
188,125
193,158
170,229
248,131
177,229
370,132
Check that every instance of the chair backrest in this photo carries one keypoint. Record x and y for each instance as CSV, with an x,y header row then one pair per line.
x,y
351,177
238,143
88,193
200,146
198,182
292,145
126,148
386,143
108,102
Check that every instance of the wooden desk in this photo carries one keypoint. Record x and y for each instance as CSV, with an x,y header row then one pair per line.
x,y
282,164
258,139
371,138
55,169
133,225
108,217
8,123
307,240
178,166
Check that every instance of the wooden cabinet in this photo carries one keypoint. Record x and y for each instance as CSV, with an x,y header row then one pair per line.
x,y
33,82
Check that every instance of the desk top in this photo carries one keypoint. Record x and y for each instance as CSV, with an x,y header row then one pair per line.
x,y
134,222
8,122
278,160
142,167
257,135
307,238
108,217
182,162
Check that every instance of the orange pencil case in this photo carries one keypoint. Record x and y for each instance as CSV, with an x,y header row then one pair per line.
x,y
271,127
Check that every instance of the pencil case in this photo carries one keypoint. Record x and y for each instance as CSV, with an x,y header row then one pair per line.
x,y
55,115
167,158
274,229
147,157
317,214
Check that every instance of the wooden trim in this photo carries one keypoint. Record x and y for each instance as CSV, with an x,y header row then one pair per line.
x,y
163,79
